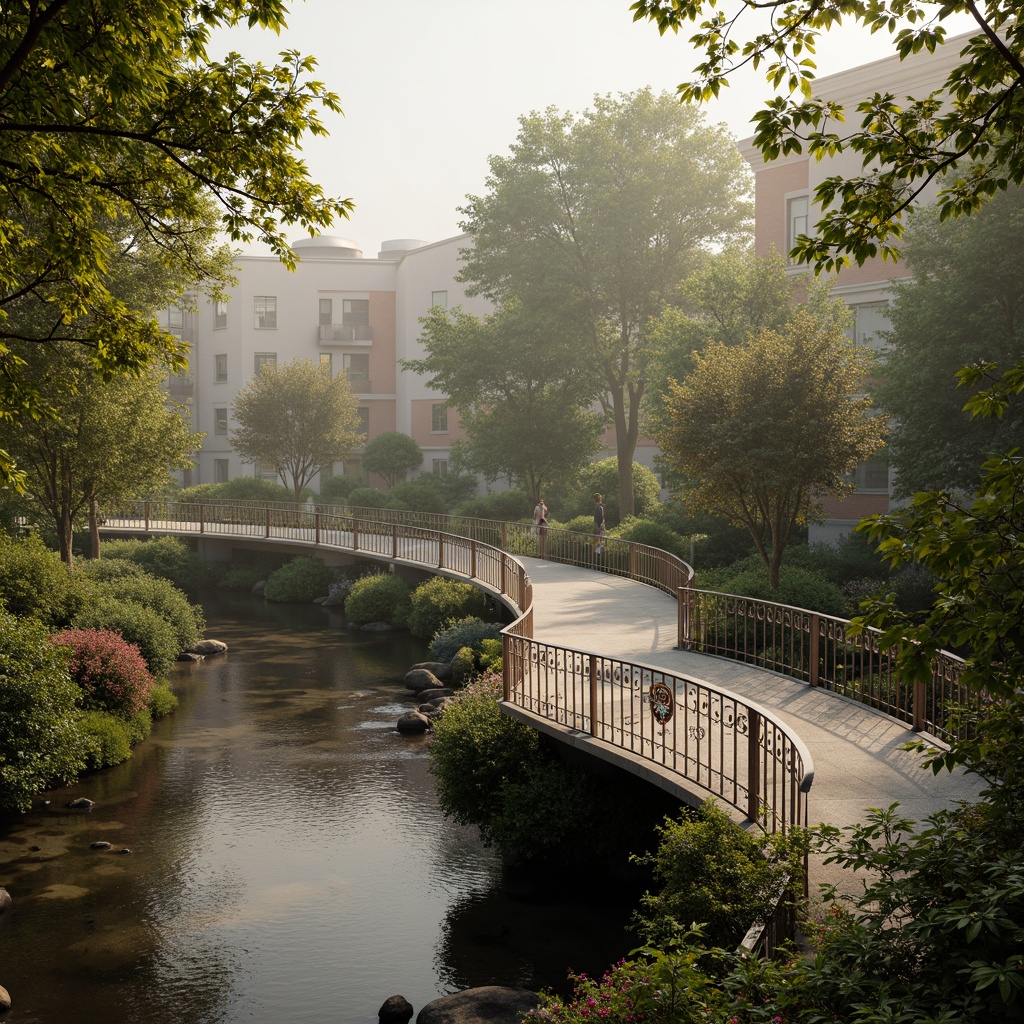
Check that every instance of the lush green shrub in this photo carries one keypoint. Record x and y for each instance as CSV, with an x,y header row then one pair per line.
x,y
491,655
162,701
242,488
368,497
169,558
101,570
717,542
493,772
245,573
162,597
424,494
644,531
914,587
301,579
378,598
711,872
154,636
439,602
578,524
507,506
41,742
335,490
35,583
107,739
470,632
463,664
797,587
110,672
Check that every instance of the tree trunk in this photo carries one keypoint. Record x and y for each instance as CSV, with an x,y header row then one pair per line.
x,y
94,529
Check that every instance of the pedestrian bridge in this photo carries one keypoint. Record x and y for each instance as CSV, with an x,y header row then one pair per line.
x,y
779,713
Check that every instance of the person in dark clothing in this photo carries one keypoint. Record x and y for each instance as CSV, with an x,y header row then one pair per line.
x,y
599,528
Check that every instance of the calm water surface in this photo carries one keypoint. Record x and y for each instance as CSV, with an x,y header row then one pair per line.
x,y
288,859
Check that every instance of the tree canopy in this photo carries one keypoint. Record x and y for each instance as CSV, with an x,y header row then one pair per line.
x,y
116,125
964,305
521,389
391,455
963,137
104,442
297,418
596,216
762,431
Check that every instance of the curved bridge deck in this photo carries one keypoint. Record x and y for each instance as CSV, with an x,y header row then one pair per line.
x,y
858,762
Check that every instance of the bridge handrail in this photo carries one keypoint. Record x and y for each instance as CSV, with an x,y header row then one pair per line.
x,y
758,767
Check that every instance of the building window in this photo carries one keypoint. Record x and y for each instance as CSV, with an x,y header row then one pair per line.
x,y
873,475
262,359
326,313
220,314
797,212
440,467
439,299
265,309
355,312
357,369
175,318
327,362
220,420
439,418
326,471
220,471
364,420
266,471
220,368
870,325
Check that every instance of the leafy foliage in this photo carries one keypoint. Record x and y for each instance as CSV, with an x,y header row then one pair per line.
x,y
35,583
962,136
592,220
40,742
154,635
301,579
507,506
106,738
469,632
762,431
298,418
439,602
961,307
644,531
378,598
120,128
603,477
799,587
166,557
517,381
710,874
392,455
162,700
109,671
242,488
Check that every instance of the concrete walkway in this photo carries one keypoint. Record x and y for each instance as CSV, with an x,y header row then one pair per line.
x,y
858,763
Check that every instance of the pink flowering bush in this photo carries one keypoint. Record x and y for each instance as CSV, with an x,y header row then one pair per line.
x,y
110,672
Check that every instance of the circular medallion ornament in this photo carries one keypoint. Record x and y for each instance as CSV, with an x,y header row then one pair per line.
x,y
660,697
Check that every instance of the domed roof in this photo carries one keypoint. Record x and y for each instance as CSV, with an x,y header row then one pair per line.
x,y
328,247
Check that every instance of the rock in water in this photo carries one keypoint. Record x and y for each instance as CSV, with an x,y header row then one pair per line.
x,y
395,1010
491,1004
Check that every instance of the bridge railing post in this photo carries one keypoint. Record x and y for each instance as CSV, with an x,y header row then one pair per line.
x,y
316,528
269,522
753,764
440,551
593,695
504,540
394,540
813,654
355,534
920,706
202,519
472,559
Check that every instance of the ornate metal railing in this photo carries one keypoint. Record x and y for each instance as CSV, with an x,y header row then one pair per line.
x,y
725,745
821,650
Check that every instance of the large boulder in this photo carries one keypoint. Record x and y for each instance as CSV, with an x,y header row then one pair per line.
x,y
206,647
5,900
492,1004
417,679
434,693
441,669
5,1000
395,1010
413,722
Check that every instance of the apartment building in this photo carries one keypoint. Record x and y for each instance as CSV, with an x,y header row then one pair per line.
x,y
784,208
359,316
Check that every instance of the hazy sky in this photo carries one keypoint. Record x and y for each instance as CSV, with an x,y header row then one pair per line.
x,y
432,88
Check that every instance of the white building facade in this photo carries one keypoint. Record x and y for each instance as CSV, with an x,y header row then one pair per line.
x,y
356,315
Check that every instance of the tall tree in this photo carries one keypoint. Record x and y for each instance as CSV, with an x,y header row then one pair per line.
x,y
965,136
598,216
297,418
521,389
104,441
728,296
762,431
964,305
112,109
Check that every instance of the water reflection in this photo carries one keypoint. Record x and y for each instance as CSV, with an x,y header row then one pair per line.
x,y
288,859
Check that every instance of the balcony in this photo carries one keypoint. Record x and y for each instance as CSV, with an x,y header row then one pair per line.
x,y
359,383
345,334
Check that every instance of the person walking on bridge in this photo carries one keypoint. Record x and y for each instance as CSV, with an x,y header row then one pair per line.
x,y
599,524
